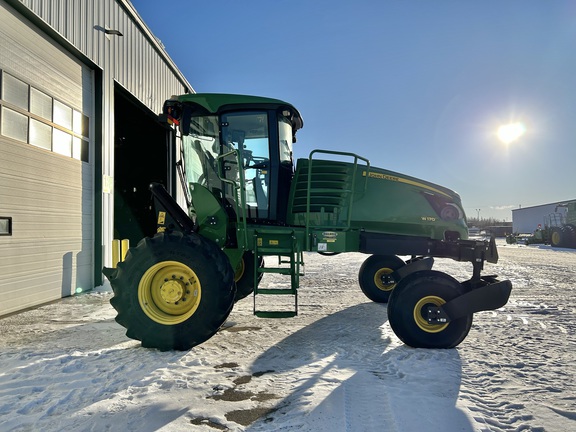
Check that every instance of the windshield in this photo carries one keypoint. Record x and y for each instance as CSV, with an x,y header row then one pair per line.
x,y
244,133
247,132
244,137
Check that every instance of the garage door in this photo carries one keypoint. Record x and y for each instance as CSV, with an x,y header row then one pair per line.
x,y
46,169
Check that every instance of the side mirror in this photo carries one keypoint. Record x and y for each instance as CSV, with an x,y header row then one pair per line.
x,y
185,120
175,113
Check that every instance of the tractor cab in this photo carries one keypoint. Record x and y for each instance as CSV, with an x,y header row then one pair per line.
x,y
239,148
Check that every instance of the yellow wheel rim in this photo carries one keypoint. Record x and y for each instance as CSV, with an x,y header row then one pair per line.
x,y
420,311
239,271
169,292
378,279
555,237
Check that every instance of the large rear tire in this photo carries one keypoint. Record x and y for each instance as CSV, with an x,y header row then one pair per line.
x,y
244,275
570,231
375,277
172,291
407,310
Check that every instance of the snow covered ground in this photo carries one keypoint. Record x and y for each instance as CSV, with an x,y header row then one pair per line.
x,y
337,366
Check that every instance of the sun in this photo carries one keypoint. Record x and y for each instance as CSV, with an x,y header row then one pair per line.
x,y
511,132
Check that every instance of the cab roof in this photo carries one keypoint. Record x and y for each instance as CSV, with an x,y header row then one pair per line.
x,y
215,103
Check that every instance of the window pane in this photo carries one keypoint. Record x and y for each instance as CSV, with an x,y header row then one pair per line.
x,y
85,126
62,115
14,125
40,104
62,143
15,91
80,149
40,134
285,135
77,122
85,154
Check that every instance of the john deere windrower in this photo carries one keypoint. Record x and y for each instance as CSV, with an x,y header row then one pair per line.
x,y
247,201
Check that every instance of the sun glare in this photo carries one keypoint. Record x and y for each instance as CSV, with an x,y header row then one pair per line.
x,y
511,132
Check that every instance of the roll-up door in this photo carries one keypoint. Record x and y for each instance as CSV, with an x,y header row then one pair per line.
x,y
46,167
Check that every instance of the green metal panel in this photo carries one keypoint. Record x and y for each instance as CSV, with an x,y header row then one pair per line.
x,y
326,241
210,216
372,199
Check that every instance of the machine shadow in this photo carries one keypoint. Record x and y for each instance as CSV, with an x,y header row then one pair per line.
x,y
352,334
344,370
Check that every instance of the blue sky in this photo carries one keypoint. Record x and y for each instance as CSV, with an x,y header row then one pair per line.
x,y
416,86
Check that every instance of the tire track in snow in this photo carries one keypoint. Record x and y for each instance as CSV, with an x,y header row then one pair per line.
x,y
508,365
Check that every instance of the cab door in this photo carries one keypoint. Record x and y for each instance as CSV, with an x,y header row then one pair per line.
x,y
248,133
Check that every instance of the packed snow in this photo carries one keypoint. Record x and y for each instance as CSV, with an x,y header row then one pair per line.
x,y
337,366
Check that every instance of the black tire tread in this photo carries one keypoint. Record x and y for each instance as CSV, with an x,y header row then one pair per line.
x,y
366,275
214,306
405,297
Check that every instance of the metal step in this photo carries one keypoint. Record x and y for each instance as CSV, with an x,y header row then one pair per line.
x,y
277,270
274,251
276,291
275,314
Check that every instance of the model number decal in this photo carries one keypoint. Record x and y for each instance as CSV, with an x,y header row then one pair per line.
x,y
428,218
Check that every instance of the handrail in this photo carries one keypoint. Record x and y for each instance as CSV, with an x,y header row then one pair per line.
x,y
238,192
352,189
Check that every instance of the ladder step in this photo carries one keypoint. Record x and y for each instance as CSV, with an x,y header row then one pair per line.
x,y
277,270
275,314
275,291
275,251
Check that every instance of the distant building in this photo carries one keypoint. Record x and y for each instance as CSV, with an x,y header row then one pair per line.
x,y
529,219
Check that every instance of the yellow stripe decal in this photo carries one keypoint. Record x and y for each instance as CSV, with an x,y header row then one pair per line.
x,y
403,180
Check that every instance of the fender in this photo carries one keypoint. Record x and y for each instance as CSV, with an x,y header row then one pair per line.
x,y
412,267
488,297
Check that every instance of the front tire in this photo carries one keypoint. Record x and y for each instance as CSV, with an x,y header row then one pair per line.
x,y
407,310
172,291
375,277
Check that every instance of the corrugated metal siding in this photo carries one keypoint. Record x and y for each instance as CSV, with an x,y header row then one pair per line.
x,y
136,61
33,65
48,196
139,64
44,259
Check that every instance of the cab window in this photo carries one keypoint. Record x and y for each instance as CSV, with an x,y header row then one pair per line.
x,y
247,132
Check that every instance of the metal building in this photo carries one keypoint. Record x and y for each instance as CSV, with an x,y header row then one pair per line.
x,y
526,220
81,82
